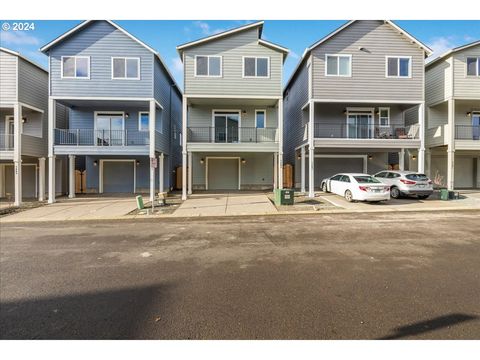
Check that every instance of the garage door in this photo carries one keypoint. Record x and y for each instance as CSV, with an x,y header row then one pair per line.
x,y
118,176
464,170
326,167
28,181
222,174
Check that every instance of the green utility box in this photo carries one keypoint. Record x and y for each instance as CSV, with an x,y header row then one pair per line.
x,y
444,194
139,202
284,196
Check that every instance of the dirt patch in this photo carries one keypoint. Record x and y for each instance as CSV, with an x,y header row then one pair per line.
x,y
302,203
172,202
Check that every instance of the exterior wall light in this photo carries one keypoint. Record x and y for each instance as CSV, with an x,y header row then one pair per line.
x,y
138,162
370,157
127,115
202,160
469,113
244,161
95,163
414,157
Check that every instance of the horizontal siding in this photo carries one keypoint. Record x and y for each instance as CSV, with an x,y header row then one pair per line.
x,y
33,146
465,86
368,80
201,116
83,118
232,49
8,77
101,41
438,82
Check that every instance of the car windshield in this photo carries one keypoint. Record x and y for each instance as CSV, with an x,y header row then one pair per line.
x,y
366,180
417,177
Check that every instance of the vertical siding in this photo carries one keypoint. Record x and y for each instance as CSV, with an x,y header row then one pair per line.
x,y
438,82
467,87
368,80
232,48
101,41
8,77
294,116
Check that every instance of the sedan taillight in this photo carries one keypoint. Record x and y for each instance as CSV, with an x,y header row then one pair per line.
x,y
363,188
408,182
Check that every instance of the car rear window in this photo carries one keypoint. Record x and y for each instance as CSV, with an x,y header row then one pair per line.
x,y
417,177
366,180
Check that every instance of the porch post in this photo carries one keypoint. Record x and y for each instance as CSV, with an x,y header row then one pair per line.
x,y
428,161
71,176
302,160
41,179
189,169
184,148
421,150
161,171
151,127
311,150
451,145
51,156
401,159
275,171
17,152
2,180
280,143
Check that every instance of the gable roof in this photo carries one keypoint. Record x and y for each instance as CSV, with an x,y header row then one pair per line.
x,y
258,24
80,26
16,53
452,51
307,51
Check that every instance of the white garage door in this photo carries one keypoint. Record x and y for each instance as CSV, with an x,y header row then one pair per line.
x,y
118,176
326,167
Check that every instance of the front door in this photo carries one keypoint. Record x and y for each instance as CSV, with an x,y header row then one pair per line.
x,y
109,129
226,126
360,126
476,126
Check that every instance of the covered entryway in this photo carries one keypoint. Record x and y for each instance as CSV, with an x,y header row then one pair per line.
x,y
329,165
222,173
29,180
117,176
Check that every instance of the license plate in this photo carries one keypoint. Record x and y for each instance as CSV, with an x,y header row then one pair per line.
x,y
421,185
376,190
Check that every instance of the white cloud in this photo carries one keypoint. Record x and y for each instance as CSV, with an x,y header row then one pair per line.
x,y
177,64
206,28
440,45
18,38
294,55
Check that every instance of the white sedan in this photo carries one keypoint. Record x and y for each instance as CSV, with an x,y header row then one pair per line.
x,y
361,187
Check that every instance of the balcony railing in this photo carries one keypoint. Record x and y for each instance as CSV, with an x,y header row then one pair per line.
x,y
6,142
467,132
90,137
232,135
365,131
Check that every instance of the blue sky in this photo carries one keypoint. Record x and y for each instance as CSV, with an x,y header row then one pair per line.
x,y
165,35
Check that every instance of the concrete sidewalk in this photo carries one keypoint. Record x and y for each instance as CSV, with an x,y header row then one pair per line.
x,y
225,204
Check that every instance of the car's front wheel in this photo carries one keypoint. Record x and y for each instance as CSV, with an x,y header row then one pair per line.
x,y
423,197
324,187
394,192
348,196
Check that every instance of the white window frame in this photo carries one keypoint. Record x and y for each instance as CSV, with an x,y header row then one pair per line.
x,y
125,58
477,67
380,117
264,118
338,64
208,66
398,67
140,113
75,69
256,76
95,116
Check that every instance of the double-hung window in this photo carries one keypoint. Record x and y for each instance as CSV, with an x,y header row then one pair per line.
x,y
143,120
384,117
338,65
256,67
208,66
76,67
126,68
473,66
399,66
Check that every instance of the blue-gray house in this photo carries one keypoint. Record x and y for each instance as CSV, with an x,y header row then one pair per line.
x,y
125,111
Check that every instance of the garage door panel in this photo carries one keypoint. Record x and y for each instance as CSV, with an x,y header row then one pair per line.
x,y
28,181
326,167
222,174
118,176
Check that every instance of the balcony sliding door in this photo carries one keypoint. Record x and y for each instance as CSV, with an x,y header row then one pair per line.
x,y
226,125
109,129
360,125
475,126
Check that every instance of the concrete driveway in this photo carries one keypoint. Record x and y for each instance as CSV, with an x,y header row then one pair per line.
x,y
80,208
236,203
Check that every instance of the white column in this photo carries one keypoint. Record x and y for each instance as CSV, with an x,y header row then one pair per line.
x,y
275,171
421,150
428,162
2,181
51,156
401,159
311,150
451,145
280,144
302,167
161,173
17,152
184,148
71,176
151,127
189,169
41,179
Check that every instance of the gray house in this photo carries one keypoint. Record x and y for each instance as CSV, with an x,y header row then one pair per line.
x,y
23,127
355,103
232,111
453,117
124,128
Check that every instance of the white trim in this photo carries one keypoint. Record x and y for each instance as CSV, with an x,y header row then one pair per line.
x,y
274,46
452,51
361,111
254,97
398,57
338,56
15,53
380,116
125,58
220,158
100,172
9,119
208,66
264,118
477,68
223,112
364,157
416,102
31,107
75,68
140,113
95,115
256,67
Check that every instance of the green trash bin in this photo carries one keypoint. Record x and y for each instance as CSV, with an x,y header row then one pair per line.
x,y
284,196
444,194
